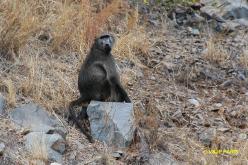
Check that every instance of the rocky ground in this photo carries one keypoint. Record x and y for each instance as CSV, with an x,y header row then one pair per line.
x,y
189,91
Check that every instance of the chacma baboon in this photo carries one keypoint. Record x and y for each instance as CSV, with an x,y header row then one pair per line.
x,y
98,79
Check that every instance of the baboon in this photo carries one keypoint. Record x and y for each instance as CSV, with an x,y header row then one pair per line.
x,y
98,79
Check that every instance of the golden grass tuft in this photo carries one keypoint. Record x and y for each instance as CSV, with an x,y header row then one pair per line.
x,y
11,97
37,149
16,26
215,53
131,43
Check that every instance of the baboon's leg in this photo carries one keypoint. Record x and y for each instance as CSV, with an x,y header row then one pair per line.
x,y
72,114
122,93
75,119
83,113
120,90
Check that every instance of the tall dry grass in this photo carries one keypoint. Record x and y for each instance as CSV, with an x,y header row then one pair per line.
x,y
216,53
43,43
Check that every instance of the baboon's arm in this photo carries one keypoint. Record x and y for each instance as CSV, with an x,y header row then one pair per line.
x,y
120,90
123,93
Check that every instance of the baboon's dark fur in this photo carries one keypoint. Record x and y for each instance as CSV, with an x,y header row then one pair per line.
x,y
98,79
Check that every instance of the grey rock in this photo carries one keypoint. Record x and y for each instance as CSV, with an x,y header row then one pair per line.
x,y
207,136
2,104
235,12
2,148
162,158
194,19
111,122
41,145
223,129
32,116
243,136
193,31
117,154
194,102
59,146
226,27
55,163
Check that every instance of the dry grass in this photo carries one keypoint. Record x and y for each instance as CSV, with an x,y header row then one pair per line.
x,y
38,150
17,26
215,53
44,42
45,70
244,59
131,43
11,91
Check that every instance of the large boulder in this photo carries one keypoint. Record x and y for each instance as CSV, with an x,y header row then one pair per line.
x,y
46,135
36,119
112,122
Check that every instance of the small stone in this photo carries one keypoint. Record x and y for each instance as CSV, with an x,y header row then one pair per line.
x,y
193,31
227,83
194,102
242,136
241,76
223,129
59,146
55,163
195,19
117,154
153,78
2,148
194,50
154,22
216,107
207,136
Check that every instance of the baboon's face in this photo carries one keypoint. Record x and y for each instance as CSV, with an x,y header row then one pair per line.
x,y
105,43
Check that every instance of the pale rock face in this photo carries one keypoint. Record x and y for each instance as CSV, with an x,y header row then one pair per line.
x,y
112,122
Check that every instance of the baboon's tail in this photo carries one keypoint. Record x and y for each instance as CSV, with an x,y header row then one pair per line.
x,y
72,115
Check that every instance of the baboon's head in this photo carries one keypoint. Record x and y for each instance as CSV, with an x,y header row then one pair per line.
x,y
105,43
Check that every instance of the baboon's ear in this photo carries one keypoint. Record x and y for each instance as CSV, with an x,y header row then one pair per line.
x,y
96,38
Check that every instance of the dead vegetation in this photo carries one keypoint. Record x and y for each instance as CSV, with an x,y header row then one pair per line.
x,y
44,42
48,40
